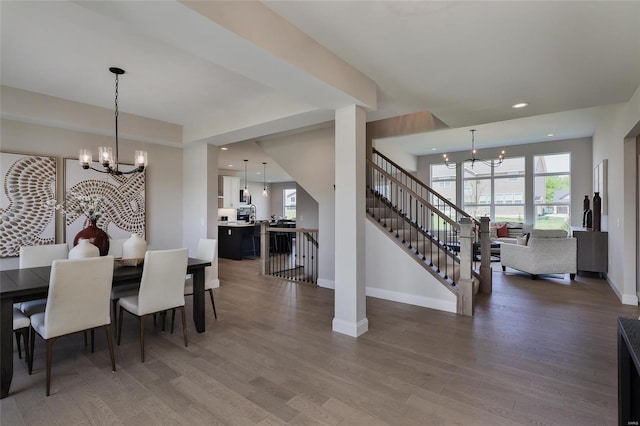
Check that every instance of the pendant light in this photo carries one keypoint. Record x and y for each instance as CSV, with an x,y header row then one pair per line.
x,y
105,154
245,193
264,180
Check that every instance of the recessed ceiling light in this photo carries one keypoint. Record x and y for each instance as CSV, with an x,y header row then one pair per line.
x,y
230,165
520,105
433,149
224,148
551,134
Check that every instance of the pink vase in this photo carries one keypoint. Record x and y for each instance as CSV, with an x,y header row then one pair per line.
x,y
95,235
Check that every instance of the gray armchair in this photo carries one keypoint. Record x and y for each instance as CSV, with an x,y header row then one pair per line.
x,y
547,252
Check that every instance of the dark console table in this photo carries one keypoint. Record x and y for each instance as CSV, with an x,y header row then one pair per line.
x,y
593,250
628,371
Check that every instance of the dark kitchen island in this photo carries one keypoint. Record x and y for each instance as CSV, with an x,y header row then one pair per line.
x,y
238,240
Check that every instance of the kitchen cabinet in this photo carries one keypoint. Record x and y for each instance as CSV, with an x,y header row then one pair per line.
x,y
230,192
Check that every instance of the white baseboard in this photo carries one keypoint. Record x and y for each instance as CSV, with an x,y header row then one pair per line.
x,y
412,299
625,299
353,329
324,283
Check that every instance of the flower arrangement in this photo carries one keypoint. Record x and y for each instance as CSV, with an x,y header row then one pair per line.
x,y
87,205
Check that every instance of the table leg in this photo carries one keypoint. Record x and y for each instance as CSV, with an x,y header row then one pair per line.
x,y
198,299
6,346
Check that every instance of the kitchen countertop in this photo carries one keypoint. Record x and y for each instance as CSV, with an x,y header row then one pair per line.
x,y
236,224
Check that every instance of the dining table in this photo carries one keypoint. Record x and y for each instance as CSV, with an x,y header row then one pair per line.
x,y
20,285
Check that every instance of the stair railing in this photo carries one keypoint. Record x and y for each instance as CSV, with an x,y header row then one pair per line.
x,y
289,253
421,217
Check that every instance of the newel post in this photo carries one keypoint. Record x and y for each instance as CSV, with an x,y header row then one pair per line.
x,y
264,247
486,283
465,283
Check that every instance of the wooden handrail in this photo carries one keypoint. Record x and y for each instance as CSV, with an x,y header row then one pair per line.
x,y
276,229
417,181
410,191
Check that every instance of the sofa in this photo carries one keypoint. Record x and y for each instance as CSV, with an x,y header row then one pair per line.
x,y
508,232
546,252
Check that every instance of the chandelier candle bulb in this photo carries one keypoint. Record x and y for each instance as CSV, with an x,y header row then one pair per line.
x,y
141,159
84,157
105,153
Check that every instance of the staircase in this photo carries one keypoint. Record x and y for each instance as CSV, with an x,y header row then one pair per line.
x,y
427,226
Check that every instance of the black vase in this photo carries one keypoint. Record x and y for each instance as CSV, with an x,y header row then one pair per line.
x,y
597,204
585,203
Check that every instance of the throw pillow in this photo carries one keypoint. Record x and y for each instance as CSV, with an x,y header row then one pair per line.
x,y
526,236
522,241
502,231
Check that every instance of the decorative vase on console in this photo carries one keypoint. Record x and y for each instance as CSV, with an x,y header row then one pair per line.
x,y
134,248
95,235
586,214
597,204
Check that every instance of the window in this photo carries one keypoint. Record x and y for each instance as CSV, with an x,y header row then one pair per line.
x,y
495,192
289,203
552,188
443,180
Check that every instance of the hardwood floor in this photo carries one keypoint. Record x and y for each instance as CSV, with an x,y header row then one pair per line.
x,y
536,352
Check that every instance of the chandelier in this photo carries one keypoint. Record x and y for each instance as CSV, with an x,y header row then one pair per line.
x,y
474,159
105,154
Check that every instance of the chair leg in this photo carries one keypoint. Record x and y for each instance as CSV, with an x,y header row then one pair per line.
x,y
184,326
32,338
114,307
213,304
17,333
142,337
173,318
84,333
107,329
27,350
572,277
120,324
49,357
92,340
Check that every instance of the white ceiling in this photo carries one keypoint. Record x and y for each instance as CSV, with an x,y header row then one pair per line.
x,y
466,62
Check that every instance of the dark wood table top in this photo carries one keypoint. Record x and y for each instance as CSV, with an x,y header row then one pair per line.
x,y
630,330
22,284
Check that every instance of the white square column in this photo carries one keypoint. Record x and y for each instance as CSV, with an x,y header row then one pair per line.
x,y
350,298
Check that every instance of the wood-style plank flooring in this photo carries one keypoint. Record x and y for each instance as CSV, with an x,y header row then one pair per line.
x,y
536,352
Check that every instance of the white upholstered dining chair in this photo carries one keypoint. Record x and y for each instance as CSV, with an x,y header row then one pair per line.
x,y
78,300
207,249
161,289
36,256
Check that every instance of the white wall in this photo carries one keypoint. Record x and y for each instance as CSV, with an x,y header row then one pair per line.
x,y
393,275
612,140
164,174
306,209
